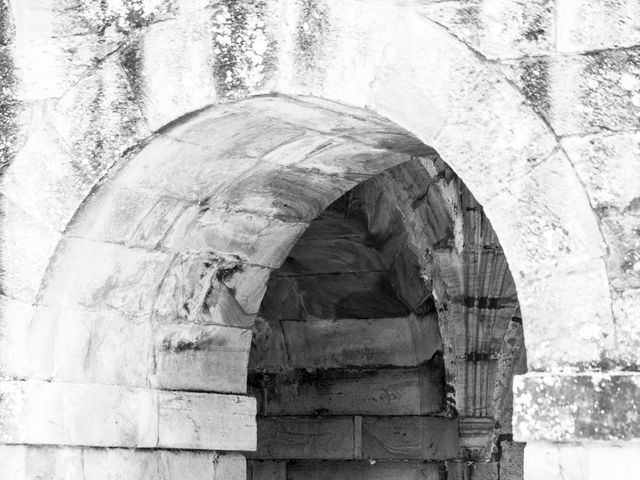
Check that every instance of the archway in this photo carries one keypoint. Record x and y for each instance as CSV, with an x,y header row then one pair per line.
x,y
144,315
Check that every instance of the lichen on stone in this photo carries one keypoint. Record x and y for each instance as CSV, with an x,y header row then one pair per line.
x,y
242,47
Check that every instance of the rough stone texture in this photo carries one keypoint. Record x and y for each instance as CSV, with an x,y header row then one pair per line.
x,y
62,59
373,391
597,25
582,461
203,358
381,470
206,421
576,407
57,463
56,413
496,28
579,94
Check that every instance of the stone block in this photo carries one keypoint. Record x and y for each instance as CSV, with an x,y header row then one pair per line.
x,y
360,342
26,247
409,438
266,470
97,118
96,275
257,239
496,28
170,67
626,311
112,213
579,296
202,358
584,26
512,460
43,413
576,407
580,94
407,82
292,194
621,231
502,135
21,462
159,168
607,165
206,421
107,464
204,289
318,438
46,181
406,391
359,295
81,346
371,470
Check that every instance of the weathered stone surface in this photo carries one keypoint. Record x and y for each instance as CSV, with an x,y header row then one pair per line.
x,y
331,255
46,181
586,318
583,461
159,168
498,29
42,413
566,238
556,407
621,231
170,68
97,118
70,463
512,460
580,94
318,438
415,391
25,247
326,296
266,470
597,25
259,240
206,421
112,214
410,438
124,280
378,470
423,69
504,136
202,358
474,383
626,311
391,341
607,166
476,436
202,288
284,192
78,346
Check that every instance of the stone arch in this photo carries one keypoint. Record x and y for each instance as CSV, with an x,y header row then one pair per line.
x,y
151,292
414,74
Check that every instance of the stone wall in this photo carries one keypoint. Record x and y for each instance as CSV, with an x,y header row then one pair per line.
x,y
533,104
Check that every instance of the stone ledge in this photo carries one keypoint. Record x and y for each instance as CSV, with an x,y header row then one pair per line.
x,y
42,413
576,407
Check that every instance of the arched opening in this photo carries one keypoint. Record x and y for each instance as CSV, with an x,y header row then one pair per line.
x,y
347,355
152,296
